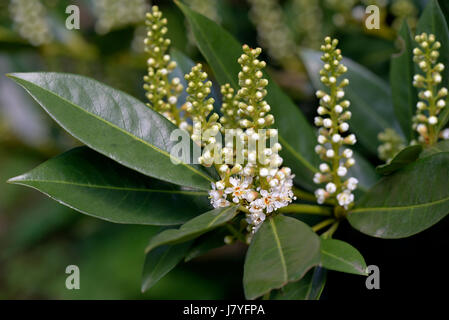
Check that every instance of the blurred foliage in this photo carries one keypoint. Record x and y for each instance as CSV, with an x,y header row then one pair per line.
x,y
38,237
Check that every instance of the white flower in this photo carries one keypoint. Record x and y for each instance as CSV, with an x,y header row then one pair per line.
x,y
433,120
336,138
351,183
347,153
445,134
324,167
330,153
238,189
320,195
317,178
338,108
331,187
345,198
327,123
256,206
341,171
218,197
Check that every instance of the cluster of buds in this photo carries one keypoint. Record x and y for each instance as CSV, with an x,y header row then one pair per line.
x,y
308,24
229,108
391,144
162,91
30,20
272,31
113,14
432,99
199,107
333,128
259,184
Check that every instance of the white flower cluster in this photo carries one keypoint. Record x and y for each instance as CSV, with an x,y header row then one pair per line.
x,y
432,100
30,20
246,190
259,184
333,129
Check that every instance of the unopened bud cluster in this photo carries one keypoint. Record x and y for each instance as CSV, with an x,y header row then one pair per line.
x,y
113,14
161,91
260,184
199,107
272,31
432,99
30,20
391,144
332,118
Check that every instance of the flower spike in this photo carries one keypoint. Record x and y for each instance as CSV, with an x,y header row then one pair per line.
x,y
332,118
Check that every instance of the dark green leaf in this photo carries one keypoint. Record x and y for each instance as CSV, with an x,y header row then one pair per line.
x,y
112,123
222,50
403,158
364,172
308,288
93,184
283,250
406,202
405,95
370,96
442,146
193,228
161,261
207,242
341,256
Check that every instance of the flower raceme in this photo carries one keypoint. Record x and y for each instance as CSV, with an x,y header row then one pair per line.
x,y
432,99
332,118
259,184
248,163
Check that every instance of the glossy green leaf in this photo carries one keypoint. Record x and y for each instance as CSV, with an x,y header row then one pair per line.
x,y
193,228
403,158
364,172
404,94
282,250
161,261
370,96
93,184
442,146
406,202
341,256
433,21
297,137
308,288
207,242
112,123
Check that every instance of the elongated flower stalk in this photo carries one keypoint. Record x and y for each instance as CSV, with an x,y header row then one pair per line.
x,y
113,14
333,129
391,144
161,91
30,20
273,32
199,107
258,184
432,99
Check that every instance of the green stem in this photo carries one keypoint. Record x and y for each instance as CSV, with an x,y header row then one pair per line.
x,y
303,195
331,231
306,209
322,224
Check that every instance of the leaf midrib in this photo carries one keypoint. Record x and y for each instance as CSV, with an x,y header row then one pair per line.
x,y
281,253
166,154
86,185
395,208
340,259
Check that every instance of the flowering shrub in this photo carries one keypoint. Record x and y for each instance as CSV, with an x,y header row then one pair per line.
x,y
256,187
